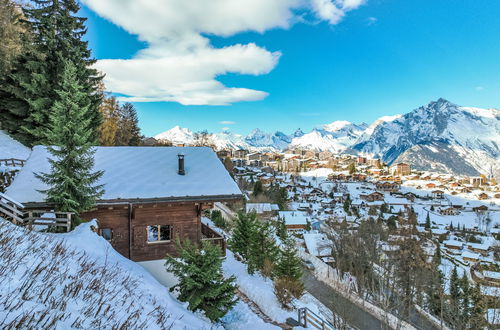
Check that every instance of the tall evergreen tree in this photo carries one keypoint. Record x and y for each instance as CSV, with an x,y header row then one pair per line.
x,y
201,280
243,233
428,221
29,93
478,309
129,133
72,182
289,264
257,188
110,114
263,248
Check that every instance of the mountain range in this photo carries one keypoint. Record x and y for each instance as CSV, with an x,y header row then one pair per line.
x,y
440,136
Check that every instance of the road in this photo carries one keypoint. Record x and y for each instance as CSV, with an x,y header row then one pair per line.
x,y
350,312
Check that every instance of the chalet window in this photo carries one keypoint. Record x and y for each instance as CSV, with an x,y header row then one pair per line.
x,y
159,233
107,233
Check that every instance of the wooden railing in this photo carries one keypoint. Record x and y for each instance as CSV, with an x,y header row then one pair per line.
x,y
48,218
14,212
11,210
12,162
208,234
309,318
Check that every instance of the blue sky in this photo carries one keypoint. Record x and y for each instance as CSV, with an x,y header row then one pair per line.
x,y
383,57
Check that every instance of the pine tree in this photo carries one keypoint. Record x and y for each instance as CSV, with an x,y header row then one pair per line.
x,y
201,280
257,188
129,133
289,264
262,250
30,92
428,221
246,225
478,309
71,180
465,298
454,304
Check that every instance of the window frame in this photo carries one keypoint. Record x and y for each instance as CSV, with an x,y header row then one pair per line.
x,y
159,233
101,234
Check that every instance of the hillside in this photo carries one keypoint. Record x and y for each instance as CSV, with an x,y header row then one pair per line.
x,y
77,280
459,140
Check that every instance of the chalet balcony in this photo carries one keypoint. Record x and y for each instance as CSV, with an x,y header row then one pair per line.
x,y
208,234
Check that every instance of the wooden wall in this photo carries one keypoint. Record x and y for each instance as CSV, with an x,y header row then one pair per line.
x,y
184,217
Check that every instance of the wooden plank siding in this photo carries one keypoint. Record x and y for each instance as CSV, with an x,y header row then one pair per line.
x,y
184,217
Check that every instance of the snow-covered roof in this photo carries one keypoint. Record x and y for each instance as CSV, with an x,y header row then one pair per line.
x,y
318,244
294,217
470,255
139,173
261,207
490,274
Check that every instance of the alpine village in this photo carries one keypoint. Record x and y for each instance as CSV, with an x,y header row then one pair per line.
x,y
349,226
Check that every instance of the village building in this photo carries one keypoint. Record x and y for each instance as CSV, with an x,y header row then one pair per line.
x,y
437,194
449,211
152,195
374,196
453,244
401,169
264,209
470,256
294,220
387,186
483,196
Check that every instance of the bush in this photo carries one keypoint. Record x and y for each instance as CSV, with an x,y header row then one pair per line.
x,y
286,289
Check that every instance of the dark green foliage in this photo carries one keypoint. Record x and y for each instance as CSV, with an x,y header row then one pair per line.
x,y
218,220
257,188
347,204
428,221
201,280
128,133
262,250
281,229
278,195
478,308
289,264
243,233
391,222
71,180
352,168
29,92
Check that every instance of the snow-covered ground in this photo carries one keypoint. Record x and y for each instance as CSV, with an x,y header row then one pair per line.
x,y
10,148
77,280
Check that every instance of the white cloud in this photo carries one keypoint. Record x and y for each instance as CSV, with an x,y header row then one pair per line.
x,y
180,64
227,122
371,20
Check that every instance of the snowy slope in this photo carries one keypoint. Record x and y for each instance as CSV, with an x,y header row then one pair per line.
x,y
10,148
464,137
77,280
335,137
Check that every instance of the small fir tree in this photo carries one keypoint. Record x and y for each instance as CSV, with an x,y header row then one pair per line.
x,y
262,250
478,309
245,227
289,264
201,280
72,182
428,221
257,188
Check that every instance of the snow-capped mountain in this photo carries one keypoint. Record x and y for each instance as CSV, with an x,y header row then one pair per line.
x,y
441,135
177,135
260,139
335,137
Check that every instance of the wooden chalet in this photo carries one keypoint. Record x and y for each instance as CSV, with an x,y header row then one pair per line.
x,y
387,186
374,196
153,196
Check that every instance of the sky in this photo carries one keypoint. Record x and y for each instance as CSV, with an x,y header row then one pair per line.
x,y
287,64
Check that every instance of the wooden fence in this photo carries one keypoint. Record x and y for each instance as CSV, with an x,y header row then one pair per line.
x,y
208,234
308,318
14,212
14,162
